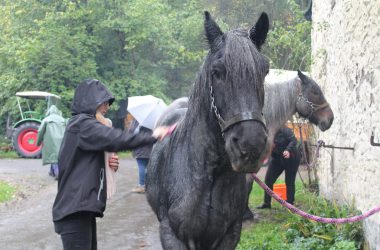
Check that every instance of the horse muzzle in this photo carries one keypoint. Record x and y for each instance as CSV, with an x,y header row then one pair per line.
x,y
326,122
245,145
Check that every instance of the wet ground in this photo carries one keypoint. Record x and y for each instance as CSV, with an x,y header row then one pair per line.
x,y
26,222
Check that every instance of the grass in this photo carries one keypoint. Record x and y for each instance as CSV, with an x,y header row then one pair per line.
x,y
6,191
124,154
8,155
277,228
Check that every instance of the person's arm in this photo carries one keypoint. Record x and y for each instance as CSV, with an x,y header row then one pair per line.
x,y
292,141
98,137
41,132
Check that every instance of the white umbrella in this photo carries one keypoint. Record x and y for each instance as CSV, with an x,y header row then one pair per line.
x,y
146,109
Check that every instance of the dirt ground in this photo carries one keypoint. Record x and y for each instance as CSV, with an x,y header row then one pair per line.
x,y
26,221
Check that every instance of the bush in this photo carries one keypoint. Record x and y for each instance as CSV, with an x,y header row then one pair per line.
x,y
278,229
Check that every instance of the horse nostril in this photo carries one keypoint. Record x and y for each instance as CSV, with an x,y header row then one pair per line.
x,y
331,120
255,153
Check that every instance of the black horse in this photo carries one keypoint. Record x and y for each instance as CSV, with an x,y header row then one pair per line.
x,y
196,178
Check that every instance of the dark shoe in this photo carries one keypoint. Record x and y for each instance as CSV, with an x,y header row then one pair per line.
x,y
51,173
263,206
248,215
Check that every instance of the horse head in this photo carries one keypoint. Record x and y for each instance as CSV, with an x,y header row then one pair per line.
x,y
235,72
311,103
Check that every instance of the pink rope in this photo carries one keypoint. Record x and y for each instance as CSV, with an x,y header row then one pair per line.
x,y
314,217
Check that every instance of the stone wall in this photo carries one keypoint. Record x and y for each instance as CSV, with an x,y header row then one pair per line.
x,y
346,54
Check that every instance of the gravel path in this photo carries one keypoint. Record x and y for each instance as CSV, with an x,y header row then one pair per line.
x,y
26,222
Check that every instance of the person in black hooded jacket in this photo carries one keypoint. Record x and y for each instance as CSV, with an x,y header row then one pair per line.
x,y
285,157
81,195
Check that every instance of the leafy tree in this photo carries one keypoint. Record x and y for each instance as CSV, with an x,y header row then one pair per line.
x,y
136,47
288,43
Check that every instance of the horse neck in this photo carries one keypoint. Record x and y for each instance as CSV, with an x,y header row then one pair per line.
x,y
280,104
200,119
201,116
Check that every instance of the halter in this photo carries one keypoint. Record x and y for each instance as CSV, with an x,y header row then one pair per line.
x,y
313,107
243,116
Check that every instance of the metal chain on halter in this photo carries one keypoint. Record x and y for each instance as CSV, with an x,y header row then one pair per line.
x,y
301,97
215,109
314,107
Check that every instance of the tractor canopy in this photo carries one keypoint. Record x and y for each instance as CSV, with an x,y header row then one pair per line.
x,y
25,129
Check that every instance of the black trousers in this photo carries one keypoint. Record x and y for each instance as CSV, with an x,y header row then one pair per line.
x,y
78,231
275,169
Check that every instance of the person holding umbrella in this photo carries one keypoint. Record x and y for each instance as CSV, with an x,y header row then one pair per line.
x,y
145,111
81,195
141,154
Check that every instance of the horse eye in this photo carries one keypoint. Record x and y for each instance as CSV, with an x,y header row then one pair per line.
x,y
218,72
215,73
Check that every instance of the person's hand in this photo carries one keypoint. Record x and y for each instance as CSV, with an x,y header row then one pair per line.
x,y
114,162
286,154
163,131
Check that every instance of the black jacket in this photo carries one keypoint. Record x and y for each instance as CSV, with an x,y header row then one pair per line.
x,y
81,182
284,140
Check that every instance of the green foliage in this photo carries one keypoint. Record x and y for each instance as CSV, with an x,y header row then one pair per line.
x,y
328,234
8,155
6,191
277,228
135,47
289,41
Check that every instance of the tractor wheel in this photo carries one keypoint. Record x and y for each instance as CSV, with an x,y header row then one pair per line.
x,y
24,140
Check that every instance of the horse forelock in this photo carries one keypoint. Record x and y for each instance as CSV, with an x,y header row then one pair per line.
x,y
244,62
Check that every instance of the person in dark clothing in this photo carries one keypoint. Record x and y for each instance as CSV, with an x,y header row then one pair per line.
x,y
142,155
285,156
81,195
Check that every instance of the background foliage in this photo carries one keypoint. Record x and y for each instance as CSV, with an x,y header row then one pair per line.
x,y
135,47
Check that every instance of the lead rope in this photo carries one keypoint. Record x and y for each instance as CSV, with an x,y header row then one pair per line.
x,y
308,216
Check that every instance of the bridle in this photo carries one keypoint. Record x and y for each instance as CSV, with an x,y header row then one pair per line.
x,y
243,116
313,107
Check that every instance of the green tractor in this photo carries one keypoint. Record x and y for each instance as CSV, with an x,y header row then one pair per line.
x,y
24,132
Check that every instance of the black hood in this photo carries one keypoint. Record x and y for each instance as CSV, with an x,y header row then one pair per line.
x,y
89,95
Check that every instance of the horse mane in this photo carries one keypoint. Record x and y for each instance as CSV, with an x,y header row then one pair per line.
x,y
280,102
238,54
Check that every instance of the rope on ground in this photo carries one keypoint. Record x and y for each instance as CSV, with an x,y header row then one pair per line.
x,y
314,217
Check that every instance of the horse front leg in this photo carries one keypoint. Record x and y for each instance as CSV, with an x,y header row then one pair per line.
x,y
248,185
231,238
169,240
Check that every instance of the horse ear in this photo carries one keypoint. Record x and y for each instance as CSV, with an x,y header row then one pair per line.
x,y
211,28
302,76
258,33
